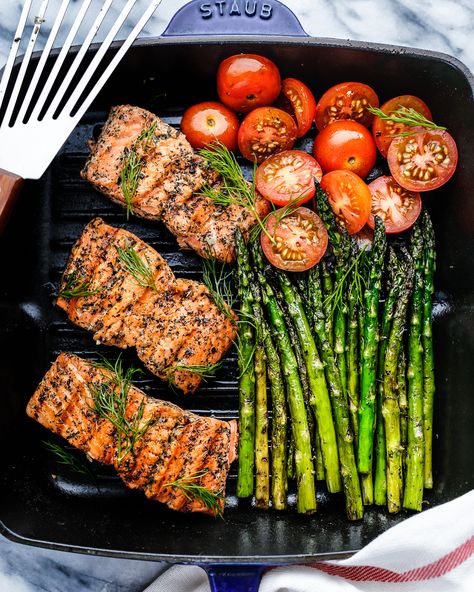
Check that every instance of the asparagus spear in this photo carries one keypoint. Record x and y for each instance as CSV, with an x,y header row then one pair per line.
x,y
369,354
390,400
319,396
350,477
340,316
277,389
403,401
396,280
262,477
327,292
306,498
428,359
290,464
246,340
318,456
353,345
413,494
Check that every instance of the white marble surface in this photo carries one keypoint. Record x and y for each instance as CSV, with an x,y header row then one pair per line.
x,y
442,25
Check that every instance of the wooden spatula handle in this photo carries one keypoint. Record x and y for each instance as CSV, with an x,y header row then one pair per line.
x,y
10,185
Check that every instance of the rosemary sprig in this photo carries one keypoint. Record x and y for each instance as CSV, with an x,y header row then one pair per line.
x,y
110,402
133,163
141,271
67,458
193,490
216,277
235,189
75,287
406,116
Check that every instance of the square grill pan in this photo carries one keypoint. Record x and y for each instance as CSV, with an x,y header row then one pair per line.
x,y
44,505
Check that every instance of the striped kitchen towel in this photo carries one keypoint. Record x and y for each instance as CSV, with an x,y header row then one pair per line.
x,y
430,552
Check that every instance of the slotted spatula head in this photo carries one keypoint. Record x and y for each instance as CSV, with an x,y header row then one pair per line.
x,y
40,113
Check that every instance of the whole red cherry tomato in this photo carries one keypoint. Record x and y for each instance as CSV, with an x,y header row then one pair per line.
x,y
345,145
246,81
297,100
384,130
347,100
264,131
424,160
210,122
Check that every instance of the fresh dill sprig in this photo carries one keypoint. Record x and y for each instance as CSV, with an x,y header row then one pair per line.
x,y
280,214
75,287
406,116
67,458
193,490
133,163
216,277
202,370
235,189
141,271
341,288
110,402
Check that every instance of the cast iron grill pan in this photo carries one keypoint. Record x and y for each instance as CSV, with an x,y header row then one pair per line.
x,y
43,504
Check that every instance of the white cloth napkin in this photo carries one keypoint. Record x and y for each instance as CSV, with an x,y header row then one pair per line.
x,y
430,552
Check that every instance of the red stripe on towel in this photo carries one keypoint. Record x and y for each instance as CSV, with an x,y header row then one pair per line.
x,y
367,573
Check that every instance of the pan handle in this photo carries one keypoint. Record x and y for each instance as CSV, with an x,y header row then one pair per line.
x,y
10,185
234,578
234,17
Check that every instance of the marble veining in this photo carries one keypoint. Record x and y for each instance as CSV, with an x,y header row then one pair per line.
x,y
445,25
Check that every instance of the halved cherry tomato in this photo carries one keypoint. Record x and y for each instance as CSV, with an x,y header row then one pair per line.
x,y
347,100
264,131
297,100
247,81
384,131
345,145
300,239
287,176
209,122
349,198
424,160
398,207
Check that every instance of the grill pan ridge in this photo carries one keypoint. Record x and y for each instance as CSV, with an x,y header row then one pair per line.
x,y
44,505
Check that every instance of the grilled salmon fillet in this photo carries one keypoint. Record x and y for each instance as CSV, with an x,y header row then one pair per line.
x,y
176,445
174,324
167,187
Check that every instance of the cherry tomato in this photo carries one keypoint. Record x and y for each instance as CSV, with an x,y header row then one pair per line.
x,y
246,81
424,160
349,197
264,131
398,207
345,145
209,122
347,100
286,176
300,239
384,131
297,100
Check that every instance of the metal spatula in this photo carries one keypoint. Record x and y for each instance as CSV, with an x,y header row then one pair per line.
x,y
33,131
